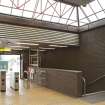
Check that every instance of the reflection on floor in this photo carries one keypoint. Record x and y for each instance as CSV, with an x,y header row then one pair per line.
x,y
36,95
94,98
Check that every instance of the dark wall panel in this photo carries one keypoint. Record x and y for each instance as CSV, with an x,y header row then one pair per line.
x,y
89,57
25,59
67,81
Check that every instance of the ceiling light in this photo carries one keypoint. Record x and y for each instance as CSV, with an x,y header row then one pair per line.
x,y
5,49
38,50
42,50
19,47
57,46
27,43
46,48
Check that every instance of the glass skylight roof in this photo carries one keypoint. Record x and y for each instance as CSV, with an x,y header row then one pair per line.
x,y
53,11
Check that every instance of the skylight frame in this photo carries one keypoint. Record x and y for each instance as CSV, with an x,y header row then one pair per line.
x,y
57,11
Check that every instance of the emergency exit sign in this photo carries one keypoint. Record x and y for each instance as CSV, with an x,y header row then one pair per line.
x,y
3,65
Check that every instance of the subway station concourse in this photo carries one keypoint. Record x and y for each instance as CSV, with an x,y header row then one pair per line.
x,y
52,52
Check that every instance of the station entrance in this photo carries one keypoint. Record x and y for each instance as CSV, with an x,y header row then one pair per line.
x,y
10,63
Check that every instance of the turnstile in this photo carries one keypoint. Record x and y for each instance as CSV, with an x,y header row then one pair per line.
x,y
14,82
3,81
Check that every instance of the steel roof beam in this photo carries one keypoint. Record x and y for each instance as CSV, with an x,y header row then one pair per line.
x,y
36,23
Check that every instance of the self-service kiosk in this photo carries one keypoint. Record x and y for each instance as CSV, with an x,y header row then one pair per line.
x,y
14,82
3,81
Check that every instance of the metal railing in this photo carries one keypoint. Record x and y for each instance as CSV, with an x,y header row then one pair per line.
x,y
84,85
97,79
92,82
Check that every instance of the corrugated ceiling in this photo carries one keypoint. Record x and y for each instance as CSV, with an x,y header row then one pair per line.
x,y
37,35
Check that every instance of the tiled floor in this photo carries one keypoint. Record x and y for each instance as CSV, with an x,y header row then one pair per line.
x,y
36,95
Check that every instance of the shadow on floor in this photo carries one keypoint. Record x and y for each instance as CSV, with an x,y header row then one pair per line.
x,y
94,97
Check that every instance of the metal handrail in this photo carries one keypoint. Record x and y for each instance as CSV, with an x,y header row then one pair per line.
x,y
84,85
94,81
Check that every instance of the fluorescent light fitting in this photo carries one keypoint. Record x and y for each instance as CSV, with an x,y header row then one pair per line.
x,y
17,49
74,44
57,46
5,49
19,46
42,50
46,48
38,50
27,43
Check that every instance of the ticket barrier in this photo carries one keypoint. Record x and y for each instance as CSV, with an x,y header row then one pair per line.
x,y
3,81
14,82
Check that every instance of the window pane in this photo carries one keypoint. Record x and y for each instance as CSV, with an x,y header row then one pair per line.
x,y
58,7
81,15
55,19
101,15
92,18
74,15
67,14
30,5
21,2
46,18
63,21
63,6
95,6
81,24
69,22
49,11
35,15
44,4
6,3
87,10
102,2
56,15
27,14
17,12
51,1
75,24
39,17
84,20
5,10
67,8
